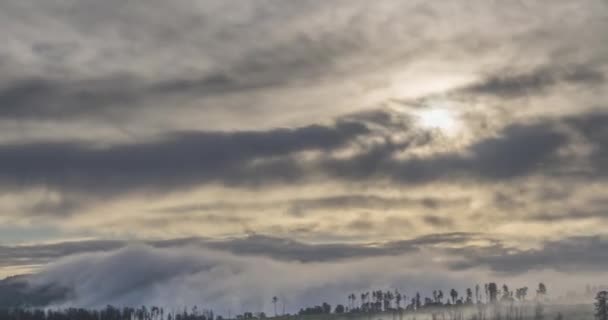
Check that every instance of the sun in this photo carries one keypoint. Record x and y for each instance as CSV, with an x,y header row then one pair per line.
x,y
438,118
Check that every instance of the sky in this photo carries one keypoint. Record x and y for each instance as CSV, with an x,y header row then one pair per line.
x,y
227,151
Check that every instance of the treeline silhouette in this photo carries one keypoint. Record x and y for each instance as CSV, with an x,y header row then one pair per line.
x,y
482,303
379,301
108,313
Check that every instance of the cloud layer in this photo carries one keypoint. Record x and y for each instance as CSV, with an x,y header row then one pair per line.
x,y
241,274
476,131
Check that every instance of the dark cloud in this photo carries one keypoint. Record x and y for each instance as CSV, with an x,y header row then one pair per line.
x,y
138,275
517,151
43,98
574,254
44,253
185,159
348,202
535,82
594,208
594,128
363,223
178,160
300,206
290,250
438,221
215,219
114,96
124,95
572,215
14,291
136,269
584,252
507,201
252,245
57,208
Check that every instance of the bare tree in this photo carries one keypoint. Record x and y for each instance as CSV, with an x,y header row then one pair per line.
x,y
274,302
601,306
492,290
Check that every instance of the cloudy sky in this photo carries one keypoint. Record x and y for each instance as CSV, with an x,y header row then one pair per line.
x,y
222,139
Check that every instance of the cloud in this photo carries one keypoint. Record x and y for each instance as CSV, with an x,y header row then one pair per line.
x,y
240,158
437,221
221,117
518,150
534,82
571,254
42,254
186,276
110,97
179,160
252,245
109,61
347,202
181,273
593,128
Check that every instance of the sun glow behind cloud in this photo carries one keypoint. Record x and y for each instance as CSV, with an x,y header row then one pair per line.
x,y
438,118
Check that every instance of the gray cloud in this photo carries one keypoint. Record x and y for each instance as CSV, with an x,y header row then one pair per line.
x,y
573,254
437,221
517,151
122,107
112,97
178,160
300,206
593,128
562,255
253,245
171,273
535,82
182,160
140,274
42,254
572,215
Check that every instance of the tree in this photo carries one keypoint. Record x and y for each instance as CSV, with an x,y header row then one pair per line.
x,y
601,307
339,309
274,302
506,294
388,300
538,312
326,307
487,290
364,301
398,299
521,293
469,296
541,292
477,297
492,291
454,295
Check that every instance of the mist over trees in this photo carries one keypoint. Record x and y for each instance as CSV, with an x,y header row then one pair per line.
x,y
494,302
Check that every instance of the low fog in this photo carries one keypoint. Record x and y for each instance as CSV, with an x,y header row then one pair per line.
x,y
186,276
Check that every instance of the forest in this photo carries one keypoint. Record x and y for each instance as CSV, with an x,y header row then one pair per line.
x,y
478,303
